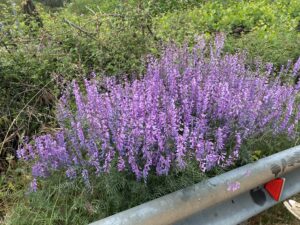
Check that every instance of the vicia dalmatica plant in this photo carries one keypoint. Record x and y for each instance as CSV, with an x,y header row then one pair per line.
x,y
191,105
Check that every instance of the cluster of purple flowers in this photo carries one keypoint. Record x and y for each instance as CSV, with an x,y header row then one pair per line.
x,y
190,105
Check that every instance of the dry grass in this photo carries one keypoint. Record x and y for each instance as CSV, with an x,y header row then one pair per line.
x,y
277,215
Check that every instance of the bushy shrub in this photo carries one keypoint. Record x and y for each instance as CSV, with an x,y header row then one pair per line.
x,y
65,202
53,3
266,28
230,16
277,46
35,63
113,39
155,7
187,107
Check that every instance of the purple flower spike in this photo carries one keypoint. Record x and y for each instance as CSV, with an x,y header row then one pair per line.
x,y
186,107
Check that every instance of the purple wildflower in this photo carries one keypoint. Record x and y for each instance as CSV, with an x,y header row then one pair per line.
x,y
33,185
186,107
71,173
85,176
296,68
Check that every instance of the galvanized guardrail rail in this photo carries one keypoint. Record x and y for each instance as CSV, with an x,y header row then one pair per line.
x,y
214,201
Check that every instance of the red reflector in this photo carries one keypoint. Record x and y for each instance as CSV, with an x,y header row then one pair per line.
x,y
275,187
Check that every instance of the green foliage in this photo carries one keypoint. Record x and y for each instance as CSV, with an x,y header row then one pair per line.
x,y
53,3
36,62
264,145
277,46
226,16
267,29
113,38
62,201
155,7
82,6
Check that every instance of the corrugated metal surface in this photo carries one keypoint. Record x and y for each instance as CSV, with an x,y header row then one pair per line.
x,y
215,201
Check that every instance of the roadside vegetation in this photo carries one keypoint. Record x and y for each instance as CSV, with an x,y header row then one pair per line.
x,y
59,58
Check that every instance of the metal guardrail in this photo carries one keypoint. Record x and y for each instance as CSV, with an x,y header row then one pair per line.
x,y
214,201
